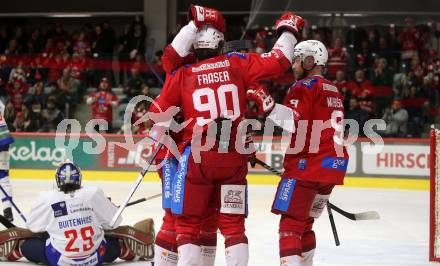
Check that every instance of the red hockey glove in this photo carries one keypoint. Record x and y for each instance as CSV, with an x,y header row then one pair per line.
x,y
261,96
290,22
251,157
206,16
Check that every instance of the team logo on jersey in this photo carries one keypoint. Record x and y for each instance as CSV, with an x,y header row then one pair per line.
x,y
233,199
302,164
339,164
328,87
240,55
59,209
309,82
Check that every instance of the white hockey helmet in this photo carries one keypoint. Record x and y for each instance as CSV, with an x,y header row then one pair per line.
x,y
313,48
208,37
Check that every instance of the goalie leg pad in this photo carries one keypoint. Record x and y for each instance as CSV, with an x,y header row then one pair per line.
x,y
10,241
140,243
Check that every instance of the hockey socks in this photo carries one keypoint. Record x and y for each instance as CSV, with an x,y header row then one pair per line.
x,y
189,255
237,255
306,259
165,249
208,244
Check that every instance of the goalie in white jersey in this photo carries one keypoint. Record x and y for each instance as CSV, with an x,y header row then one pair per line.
x,y
77,220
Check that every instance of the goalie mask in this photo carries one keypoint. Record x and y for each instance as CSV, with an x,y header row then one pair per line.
x,y
68,176
208,37
313,48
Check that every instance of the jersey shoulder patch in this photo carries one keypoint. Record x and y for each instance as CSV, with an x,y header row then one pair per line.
x,y
309,82
239,55
329,87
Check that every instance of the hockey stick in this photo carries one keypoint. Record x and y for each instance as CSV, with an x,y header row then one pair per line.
x,y
330,214
333,225
369,215
143,199
135,185
12,203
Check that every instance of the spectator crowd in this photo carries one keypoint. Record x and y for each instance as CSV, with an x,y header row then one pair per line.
x,y
386,72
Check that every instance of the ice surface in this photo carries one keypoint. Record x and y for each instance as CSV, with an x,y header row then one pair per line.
x,y
399,238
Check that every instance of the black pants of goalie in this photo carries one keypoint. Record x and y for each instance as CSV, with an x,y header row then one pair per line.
x,y
34,250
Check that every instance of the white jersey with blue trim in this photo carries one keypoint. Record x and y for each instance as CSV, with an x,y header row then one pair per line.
x,y
2,114
75,221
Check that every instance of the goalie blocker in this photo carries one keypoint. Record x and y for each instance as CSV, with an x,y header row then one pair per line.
x,y
126,242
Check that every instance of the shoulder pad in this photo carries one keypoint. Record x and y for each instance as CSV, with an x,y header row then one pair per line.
x,y
309,82
240,55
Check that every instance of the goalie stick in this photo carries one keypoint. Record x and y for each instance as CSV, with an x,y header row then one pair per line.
x,y
369,215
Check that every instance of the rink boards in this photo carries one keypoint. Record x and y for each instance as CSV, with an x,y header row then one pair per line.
x,y
393,163
253,178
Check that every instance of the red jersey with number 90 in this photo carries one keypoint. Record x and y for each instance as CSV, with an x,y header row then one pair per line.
x,y
316,152
216,87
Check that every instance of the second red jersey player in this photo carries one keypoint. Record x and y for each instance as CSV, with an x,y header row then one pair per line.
x,y
316,160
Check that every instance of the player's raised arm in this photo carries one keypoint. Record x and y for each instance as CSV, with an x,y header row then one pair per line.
x,y
178,52
278,60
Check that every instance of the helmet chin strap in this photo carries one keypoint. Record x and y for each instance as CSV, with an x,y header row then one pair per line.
x,y
306,71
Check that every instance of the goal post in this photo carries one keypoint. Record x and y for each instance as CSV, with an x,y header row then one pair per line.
x,y
434,220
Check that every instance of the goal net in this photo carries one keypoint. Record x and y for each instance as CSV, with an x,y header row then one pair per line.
x,y
434,241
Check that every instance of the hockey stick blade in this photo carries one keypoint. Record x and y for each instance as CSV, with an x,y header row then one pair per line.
x,y
369,215
5,222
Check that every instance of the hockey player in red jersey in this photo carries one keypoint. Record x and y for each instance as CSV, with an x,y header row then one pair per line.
x,y
210,90
316,160
175,55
